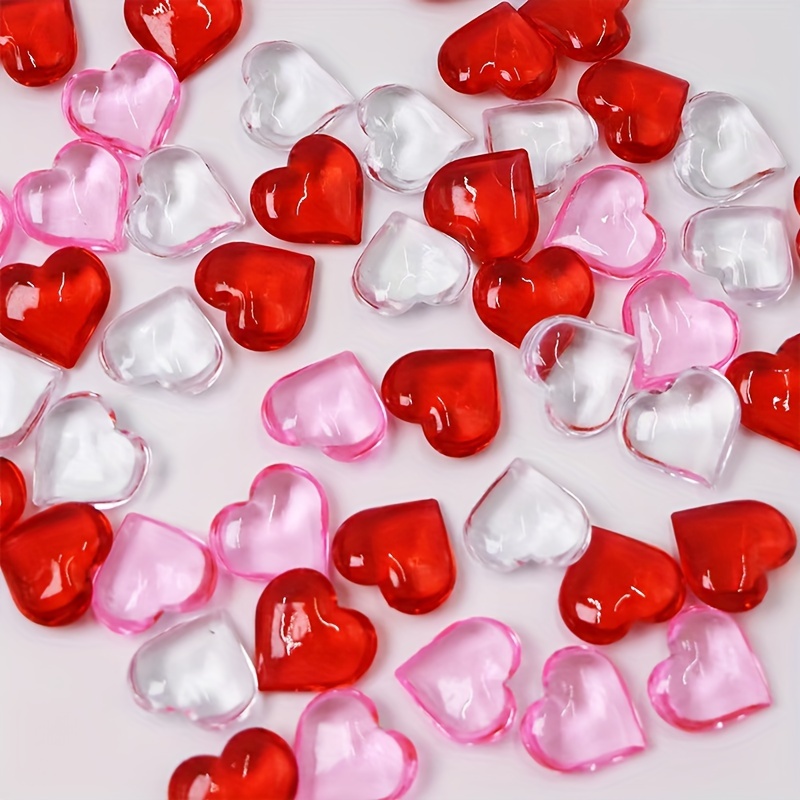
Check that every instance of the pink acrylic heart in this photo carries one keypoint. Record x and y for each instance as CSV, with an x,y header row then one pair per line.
x,y
6,223
284,525
459,679
342,752
676,330
712,677
152,569
129,108
586,718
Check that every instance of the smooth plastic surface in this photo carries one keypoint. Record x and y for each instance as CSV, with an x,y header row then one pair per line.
x,y
6,223
13,494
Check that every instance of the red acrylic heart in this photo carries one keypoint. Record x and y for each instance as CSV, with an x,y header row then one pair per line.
x,y
13,494
263,291
403,549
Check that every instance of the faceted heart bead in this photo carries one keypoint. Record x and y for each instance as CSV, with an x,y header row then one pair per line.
x,y
726,549
459,679
6,223
53,310
637,108
129,108
408,263
165,341
451,394
618,582
604,219
511,295
331,405
48,561
724,152
317,198
187,33
499,50
152,569
13,494
305,642
487,203
586,718
402,549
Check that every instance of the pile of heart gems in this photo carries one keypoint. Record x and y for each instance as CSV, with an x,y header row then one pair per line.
x,y
669,379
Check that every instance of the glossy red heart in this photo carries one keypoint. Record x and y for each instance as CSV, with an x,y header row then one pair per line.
x,y
53,310
304,641
49,560
726,550
263,291
186,33
617,582
501,50
451,394
256,764
487,203
638,108
13,494
511,295
403,549
769,390
317,198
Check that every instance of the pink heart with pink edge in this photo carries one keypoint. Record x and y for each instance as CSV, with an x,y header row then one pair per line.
x,y
6,223
283,526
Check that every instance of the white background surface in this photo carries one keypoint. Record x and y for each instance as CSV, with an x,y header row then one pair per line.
x,y
69,729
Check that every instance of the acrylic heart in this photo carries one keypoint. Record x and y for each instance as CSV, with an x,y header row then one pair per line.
x,y
317,198
618,582
283,525
152,569
13,494
330,405
165,341
586,718
402,549
6,224
305,642
604,219
459,679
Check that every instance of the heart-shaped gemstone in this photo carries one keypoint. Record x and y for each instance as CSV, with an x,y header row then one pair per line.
x,y
305,642
283,525
13,494
586,718
511,295
459,679
6,223
403,549
726,549
711,678
53,310
524,517
48,561
451,394
152,569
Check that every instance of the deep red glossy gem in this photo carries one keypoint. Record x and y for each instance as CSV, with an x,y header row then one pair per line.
x,y
49,559
403,549
53,310
726,550
13,494
304,641
263,291
638,108
451,394
317,198
487,202
617,582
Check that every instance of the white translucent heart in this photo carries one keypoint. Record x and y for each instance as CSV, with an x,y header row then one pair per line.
x,y
555,133
526,517
408,262
181,206
746,248
167,341
723,152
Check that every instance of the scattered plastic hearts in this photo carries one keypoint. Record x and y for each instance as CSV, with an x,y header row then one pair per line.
x,y
6,223
305,642
13,495
619,581
586,718
403,549
318,198
48,561
459,679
